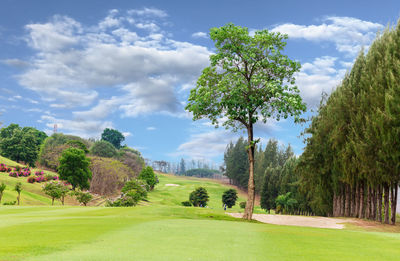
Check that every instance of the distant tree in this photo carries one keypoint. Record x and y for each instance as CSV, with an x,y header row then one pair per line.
x,y
132,192
18,189
182,167
199,197
229,197
78,144
74,168
249,79
52,190
285,203
103,148
148,176
83,197
21,144
2,188
113,136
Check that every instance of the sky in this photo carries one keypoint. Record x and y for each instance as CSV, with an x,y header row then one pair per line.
x,y
130,65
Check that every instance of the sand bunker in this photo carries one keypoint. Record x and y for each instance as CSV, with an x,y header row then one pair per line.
x,y
172,185
321,222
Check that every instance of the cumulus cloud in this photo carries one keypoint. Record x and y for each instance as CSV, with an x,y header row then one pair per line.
x,y
205,145
75,64
347,33
317,77
199,35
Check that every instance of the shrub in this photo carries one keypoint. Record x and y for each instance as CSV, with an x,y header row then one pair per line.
x,y
17,168
40,179
199,197
148,176
14,174
83,197
229,197
186,204
242,204
39,173
31,179
10,203
132,192
103,148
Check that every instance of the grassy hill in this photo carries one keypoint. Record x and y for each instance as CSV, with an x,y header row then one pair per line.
x,y
32,194
161,229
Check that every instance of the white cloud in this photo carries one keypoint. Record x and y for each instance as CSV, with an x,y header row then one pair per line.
x,y
85,129
150,12
347,33
317,77
16,63
199,35
75,63
205,145
150,128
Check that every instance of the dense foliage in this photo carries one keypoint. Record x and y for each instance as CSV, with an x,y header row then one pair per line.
x,y
113,136
229,197
21,144
103,148
148,176
199,197
74,168
350,166
132,192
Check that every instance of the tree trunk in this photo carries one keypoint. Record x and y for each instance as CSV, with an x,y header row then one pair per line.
x,y
368,203
373,204
52,201
347,201
334,210
379,204
394,203
357,200
386,197
361,204
248,212
62,200
18,198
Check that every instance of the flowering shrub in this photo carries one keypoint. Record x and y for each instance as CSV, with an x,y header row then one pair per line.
x,y
17,168
39,173
4,168
40,179
24,174
31,179
13,174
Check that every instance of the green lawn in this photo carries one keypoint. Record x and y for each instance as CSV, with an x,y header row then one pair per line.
x,y
162,230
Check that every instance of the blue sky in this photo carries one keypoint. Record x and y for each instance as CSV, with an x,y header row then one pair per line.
x,y
129,65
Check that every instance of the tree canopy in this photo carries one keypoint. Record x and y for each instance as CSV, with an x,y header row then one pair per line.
x,y
74,168
113,136
248,80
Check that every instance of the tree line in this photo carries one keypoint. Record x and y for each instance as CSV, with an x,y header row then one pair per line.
x,y
276,179
350,166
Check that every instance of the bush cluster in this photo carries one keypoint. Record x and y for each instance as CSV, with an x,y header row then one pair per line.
x,y
132,192
5,168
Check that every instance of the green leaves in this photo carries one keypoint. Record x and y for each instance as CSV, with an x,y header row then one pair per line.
x,y
248,79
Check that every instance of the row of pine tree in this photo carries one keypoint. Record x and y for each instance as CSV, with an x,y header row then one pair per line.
x,y
350,166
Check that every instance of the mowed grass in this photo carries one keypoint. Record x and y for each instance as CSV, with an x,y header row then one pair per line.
x,y
161,229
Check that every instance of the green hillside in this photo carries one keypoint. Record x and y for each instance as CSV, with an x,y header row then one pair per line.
x,y
31,195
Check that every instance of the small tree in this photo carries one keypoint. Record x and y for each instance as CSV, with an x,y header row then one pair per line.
x,y
199,197
229,197
2,188
53,190
132,192
83,197
113,136
147,175
285,203
18,189
74,168
64,190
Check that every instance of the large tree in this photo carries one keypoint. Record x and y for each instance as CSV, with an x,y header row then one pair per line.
x,y
249,80
113,136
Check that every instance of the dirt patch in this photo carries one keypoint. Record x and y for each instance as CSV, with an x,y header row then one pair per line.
x,y
321,222
172,185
